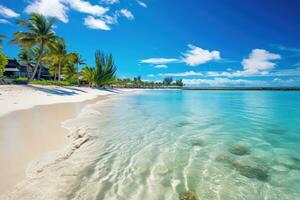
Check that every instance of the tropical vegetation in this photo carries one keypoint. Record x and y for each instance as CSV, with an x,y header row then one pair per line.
x,y
39,33
3,62
104,73
3,58
41,47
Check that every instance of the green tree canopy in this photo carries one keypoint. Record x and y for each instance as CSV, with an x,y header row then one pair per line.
x,y
39,32
3,62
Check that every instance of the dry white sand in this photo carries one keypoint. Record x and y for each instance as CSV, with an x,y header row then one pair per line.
x,y
17,97
30,123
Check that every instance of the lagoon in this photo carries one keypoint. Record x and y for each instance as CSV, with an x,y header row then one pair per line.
x,y
173,143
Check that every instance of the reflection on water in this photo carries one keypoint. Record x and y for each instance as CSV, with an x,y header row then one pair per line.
x,y
182,145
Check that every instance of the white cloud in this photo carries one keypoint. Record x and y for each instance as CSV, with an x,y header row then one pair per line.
x,y
281,72
142,4
86,7
193,57
7,12
110,1
222,82
126,13
259,62
197,56
49,8
189,73
150,75
159,61
4,21
161,66
95,23
59,8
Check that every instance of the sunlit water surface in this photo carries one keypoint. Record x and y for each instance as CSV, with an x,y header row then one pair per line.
x,y
169,144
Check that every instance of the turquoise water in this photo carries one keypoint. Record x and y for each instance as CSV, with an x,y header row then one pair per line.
x,y
166,144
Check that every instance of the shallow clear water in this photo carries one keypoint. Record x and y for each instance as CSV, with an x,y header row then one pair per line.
x,y
160,144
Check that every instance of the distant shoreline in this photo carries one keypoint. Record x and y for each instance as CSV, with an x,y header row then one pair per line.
x,y
249,88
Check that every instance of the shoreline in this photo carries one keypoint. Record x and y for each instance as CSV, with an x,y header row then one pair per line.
x,y
21,97
31,133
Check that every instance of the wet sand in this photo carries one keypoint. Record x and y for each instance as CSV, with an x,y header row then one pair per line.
x,y
28,134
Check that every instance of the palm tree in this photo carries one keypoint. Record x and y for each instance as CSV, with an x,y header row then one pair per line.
x,y
105,69
179,83
103,73
1,37
88,75
39,33
78,60
167,81
58,53
26,56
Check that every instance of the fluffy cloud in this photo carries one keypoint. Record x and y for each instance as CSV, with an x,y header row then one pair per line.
x,y
189,73
86,7
59,8
193,57
160,66
97,19
142,4
259,62
159,61
222,82
197,56
94,23
150,75
49,8
126,13
9,13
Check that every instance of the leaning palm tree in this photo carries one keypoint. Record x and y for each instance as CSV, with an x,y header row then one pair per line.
x,y
105,70
1,37
39,33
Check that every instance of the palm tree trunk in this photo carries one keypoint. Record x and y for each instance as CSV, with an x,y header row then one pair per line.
x,y
27,69
59,70
38,62
40,70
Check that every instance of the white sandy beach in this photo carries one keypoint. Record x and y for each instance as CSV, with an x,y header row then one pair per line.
x,y
30,123
17,97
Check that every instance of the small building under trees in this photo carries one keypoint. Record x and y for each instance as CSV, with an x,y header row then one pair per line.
x,y
14,69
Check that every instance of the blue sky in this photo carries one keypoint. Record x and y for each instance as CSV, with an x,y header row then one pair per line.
x,y
204,42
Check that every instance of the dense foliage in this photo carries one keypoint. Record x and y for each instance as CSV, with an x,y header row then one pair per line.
x,y
3,62
103,73
39,33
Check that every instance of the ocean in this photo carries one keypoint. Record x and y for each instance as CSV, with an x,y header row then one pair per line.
x,y
174,144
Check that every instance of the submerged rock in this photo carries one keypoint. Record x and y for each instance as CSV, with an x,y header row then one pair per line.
x,y
251,171
188,195
197,142
247,170
239,150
